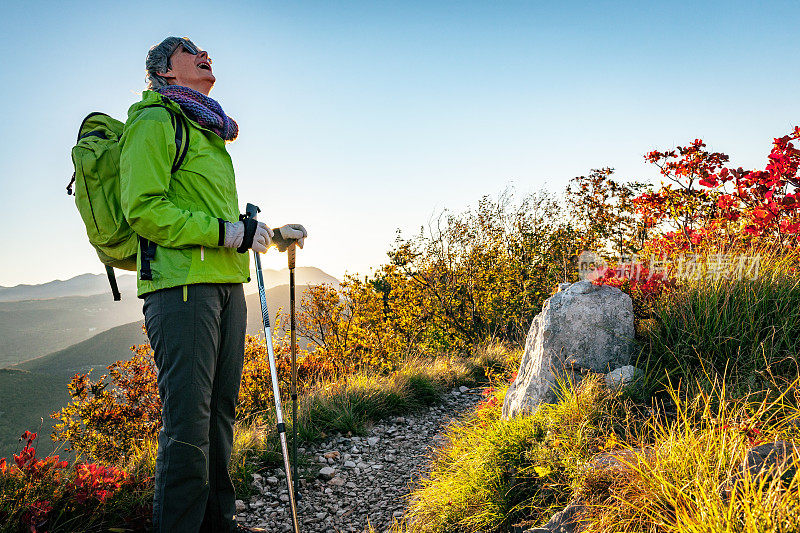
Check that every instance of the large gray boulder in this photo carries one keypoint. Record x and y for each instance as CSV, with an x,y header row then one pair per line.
x,y
582,327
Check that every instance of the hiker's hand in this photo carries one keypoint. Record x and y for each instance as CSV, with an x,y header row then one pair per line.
x,y
282,237
262,238
234,236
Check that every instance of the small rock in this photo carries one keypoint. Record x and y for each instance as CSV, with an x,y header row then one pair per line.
x,y
372,441
622,377
568,520
336,482
272,480
462,389
240,506
326,472
349,464
332,455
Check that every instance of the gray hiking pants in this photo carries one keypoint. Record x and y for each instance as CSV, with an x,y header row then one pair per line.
x,y
197,334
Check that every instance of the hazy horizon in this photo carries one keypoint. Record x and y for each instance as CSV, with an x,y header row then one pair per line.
x,y
360,118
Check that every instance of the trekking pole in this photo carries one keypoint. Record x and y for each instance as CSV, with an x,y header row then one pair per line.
x,y
251,212
293,326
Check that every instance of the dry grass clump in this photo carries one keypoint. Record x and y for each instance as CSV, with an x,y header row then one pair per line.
x,y
680,483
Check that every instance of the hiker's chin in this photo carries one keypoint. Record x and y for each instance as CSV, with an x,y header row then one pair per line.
x,y
205,84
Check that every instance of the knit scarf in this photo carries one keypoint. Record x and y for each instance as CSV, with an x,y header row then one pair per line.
x,y
203,109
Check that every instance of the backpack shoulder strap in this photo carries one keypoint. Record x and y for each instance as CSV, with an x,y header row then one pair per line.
x,y
112,280
181,136
181,142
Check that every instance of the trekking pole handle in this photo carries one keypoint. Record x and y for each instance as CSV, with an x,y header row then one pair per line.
x,y
291,253
252,211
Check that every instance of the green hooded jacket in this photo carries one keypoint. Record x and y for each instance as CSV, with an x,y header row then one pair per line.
x,y
183,213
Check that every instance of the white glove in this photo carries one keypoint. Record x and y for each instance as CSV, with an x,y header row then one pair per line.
x,y
287,233
234,235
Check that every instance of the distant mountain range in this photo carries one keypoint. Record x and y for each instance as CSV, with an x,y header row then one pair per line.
x,y
33,327
83,285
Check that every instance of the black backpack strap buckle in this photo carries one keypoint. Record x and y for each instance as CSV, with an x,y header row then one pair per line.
x,y
147,249
69,185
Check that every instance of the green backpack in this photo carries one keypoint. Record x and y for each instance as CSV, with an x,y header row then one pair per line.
x,y
96,179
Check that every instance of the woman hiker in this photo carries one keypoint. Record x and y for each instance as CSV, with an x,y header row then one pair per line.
x,y
193,260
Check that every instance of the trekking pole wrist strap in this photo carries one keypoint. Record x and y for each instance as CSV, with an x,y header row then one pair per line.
x,y
250,225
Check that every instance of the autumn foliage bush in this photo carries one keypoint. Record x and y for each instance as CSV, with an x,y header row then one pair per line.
x,y
48,494
643,286
705,199
110,416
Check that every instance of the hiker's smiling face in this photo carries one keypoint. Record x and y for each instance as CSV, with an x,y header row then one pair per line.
x,y
190,67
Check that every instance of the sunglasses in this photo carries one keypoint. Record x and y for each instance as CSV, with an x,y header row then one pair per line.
x,y
188,46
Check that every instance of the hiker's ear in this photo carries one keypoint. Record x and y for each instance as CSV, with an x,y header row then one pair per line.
x,y
167,74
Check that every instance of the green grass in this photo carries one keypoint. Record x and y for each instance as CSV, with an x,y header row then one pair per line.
x,y
494,473
745,330
354,402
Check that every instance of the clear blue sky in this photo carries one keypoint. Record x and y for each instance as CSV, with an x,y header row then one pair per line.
x,y
358,118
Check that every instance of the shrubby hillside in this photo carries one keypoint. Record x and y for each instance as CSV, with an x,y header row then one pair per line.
x,y
452,305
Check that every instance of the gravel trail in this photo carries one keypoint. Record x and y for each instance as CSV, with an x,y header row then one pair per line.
x,y
357,478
